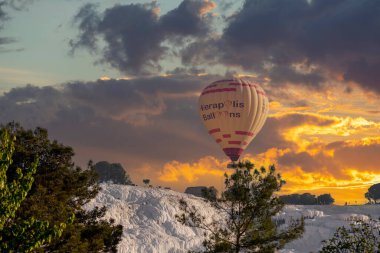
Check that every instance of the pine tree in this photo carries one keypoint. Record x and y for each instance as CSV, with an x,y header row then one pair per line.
x,y
246,208
58,193
28,233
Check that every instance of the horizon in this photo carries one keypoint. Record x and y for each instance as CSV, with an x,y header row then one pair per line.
x,y
119,81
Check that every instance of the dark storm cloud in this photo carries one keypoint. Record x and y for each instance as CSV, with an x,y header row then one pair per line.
x,y
275,37
285,74
134,33
149,119
185,20
146,119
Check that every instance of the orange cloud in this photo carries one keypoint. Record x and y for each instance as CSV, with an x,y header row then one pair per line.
x,y
317,173
208,166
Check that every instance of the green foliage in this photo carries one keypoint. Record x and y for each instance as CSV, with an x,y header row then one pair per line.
x,y
58,194
362,236
112,172
27,233
246,208
373,194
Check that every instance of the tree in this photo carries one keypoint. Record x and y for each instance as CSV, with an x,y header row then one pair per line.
x,y
307,199
201,191
373,194
210,193
299,199
59,192
30,233
113,172
246,207
325,199
146,181
361,236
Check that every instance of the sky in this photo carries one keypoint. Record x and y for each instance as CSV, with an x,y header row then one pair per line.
x,y
119,81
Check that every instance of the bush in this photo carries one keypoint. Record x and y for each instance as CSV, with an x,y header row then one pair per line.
x,y
361,236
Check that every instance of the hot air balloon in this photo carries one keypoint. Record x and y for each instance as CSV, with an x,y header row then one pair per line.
x,y
233,111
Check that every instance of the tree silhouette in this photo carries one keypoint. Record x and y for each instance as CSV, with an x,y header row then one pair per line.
x,y
373,194
146,181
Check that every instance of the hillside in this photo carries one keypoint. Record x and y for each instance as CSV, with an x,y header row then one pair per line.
x,y
148,217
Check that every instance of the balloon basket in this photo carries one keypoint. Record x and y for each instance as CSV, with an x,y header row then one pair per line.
x,y
232,165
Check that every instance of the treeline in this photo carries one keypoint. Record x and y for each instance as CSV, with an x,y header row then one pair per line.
x,y
307,199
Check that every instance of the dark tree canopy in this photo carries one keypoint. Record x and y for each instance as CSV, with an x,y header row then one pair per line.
x,y
58,193
325,199
112,172
23,234
373,194
307,199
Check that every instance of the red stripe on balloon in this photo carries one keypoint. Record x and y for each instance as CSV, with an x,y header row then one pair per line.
x,y
210,86
226,136
218,90
215,130
244,133
234,142
218,140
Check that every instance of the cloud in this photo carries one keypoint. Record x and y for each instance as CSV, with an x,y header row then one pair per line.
x,y
146,119
138,49
304,172
151,125
300,42
359,154
175,171
310,43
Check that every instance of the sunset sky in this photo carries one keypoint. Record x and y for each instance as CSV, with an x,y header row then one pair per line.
x,y
119,81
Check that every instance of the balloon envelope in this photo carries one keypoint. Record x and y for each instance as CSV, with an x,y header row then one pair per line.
x,y
233,111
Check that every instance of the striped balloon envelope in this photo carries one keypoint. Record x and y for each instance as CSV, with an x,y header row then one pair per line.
x,y
233,111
